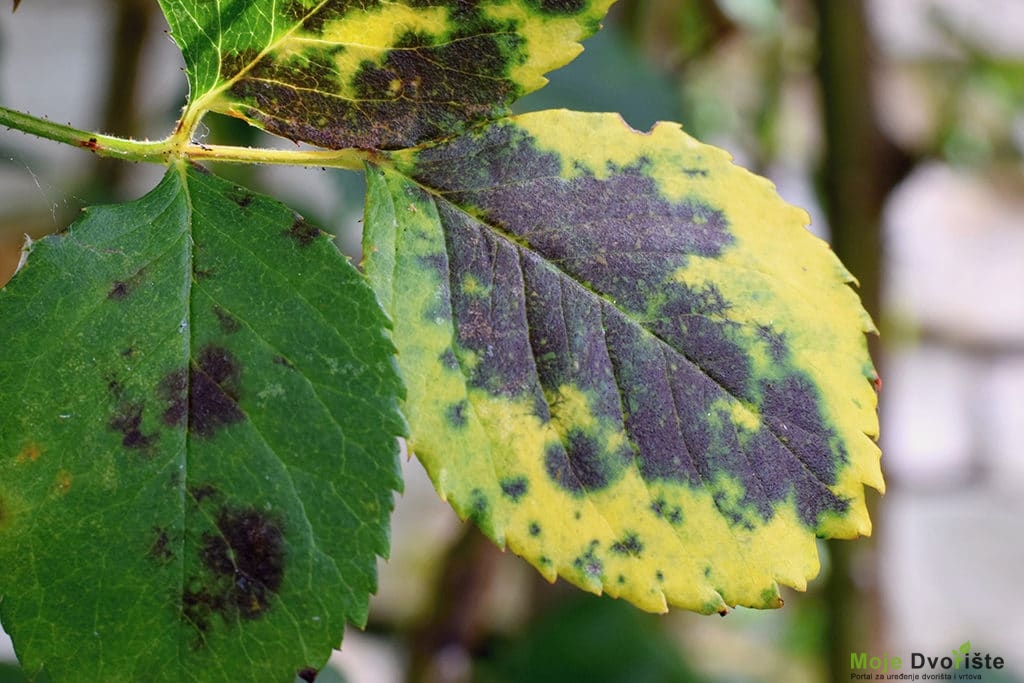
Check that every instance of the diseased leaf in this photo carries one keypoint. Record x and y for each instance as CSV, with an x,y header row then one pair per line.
x,y
370,73
198,454
626,358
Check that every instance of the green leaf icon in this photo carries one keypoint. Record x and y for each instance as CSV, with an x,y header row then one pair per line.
x,y
965,648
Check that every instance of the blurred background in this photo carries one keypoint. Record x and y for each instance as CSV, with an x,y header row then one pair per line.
x,y
898,125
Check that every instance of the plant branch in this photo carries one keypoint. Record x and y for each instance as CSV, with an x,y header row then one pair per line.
x,y
163,151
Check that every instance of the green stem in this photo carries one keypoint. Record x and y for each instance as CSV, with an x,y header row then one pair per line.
x,y
164,151
351,159
104,145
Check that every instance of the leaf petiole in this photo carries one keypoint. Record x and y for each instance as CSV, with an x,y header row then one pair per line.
x,y
164,151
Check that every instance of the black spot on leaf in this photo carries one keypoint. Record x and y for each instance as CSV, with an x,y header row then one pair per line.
x,y
128,421
478,504
687,301
161,549
414,39
776,341
587,460
556,463
114,386
214,385
449,359
433,86
629,545
515,487
173,389
712,346
198,606
580,465
535,529
673,514
308,674
566,7
241,197
243,567
302,232
202,492
457,414
207,395
487,306
618,222
119,291
588,563
791,407
228,324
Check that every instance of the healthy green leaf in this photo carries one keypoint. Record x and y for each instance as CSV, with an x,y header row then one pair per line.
x,y
626,358
198,454
373,74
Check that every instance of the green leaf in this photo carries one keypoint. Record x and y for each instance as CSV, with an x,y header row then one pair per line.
x,y
373,74
198,450
965,648
626,358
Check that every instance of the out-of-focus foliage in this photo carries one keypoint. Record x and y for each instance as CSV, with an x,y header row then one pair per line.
x,y
589,639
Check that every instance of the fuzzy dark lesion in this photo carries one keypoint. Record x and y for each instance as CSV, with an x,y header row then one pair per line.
x,y
161,549
562,7
201,492
243,563
204,397
118,291
630,544
228,323
128,421
515,487
588,562
303,233
456,414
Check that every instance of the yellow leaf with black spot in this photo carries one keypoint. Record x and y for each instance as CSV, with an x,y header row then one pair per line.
x,y
627,359
373,74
